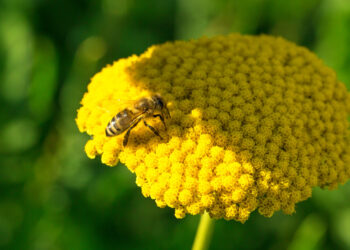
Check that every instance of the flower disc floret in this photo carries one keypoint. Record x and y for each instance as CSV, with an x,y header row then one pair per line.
x,y
256,123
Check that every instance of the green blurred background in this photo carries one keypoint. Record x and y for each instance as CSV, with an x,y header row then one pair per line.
x,y
53,197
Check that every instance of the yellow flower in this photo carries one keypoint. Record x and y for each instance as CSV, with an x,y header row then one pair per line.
x,y
256,122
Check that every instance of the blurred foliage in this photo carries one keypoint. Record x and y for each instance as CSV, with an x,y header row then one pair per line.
x,y
53,197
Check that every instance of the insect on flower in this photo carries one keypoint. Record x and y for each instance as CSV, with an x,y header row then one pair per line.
x,y
127,119
225,153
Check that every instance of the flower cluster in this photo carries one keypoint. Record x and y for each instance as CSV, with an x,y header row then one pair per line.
x,y
256,122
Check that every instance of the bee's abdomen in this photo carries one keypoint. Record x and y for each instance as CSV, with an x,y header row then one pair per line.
x,y
112,128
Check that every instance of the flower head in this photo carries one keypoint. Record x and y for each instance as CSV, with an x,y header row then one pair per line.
x,y
256,122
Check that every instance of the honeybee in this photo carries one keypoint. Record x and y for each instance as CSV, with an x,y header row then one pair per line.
x,y
127,119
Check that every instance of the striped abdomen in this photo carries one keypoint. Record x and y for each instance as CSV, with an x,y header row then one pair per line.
x,y
120,123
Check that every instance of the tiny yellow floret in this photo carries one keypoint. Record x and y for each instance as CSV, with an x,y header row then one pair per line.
x,y
256,123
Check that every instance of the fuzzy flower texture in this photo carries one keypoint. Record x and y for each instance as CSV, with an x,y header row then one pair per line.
x,y
256,123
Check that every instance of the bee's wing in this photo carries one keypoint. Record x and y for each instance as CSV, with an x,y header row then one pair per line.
x,y
136,117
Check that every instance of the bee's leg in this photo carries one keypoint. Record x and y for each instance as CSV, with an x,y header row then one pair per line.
x,y
153,129
162,119
126,137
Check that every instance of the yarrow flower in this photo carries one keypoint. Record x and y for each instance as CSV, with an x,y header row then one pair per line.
x,y
256,123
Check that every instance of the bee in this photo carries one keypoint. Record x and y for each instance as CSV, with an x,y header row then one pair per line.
x,y
127,119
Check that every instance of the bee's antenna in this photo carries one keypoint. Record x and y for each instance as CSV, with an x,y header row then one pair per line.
x,y
167,112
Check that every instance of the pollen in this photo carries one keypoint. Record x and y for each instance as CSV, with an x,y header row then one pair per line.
x,y
256,123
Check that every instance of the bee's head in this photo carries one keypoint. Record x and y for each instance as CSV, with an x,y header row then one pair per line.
x,y
159,101
161,105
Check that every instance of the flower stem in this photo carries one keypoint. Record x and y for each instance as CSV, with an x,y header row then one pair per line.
x,y
204,233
